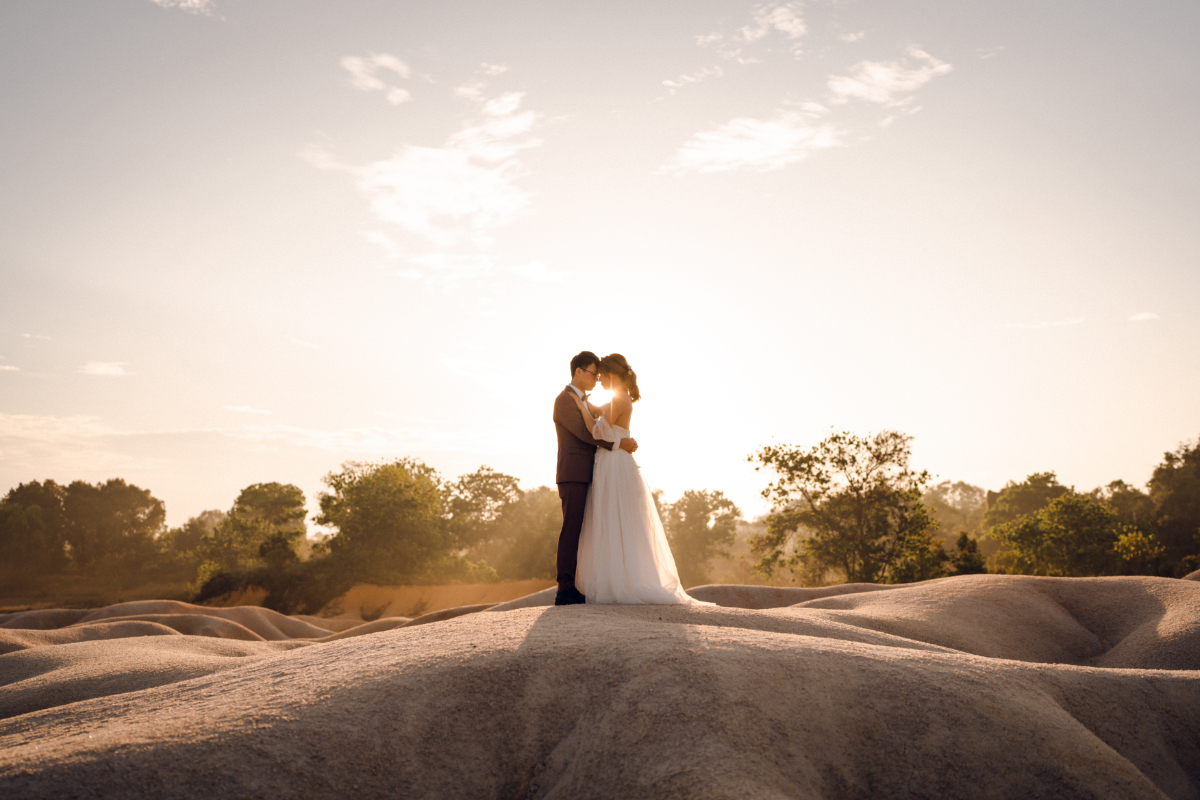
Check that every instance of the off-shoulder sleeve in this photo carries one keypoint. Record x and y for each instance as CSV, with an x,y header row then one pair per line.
x,y
602,430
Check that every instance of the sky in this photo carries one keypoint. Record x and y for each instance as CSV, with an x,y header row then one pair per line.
x,y
249,240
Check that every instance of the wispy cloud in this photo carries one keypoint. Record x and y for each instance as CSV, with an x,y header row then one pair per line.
x,y
303,343
76,443
104,368
695,77
34,336
852,37
246,410
888,83
757,144
442,206
459,192
1035,326
1145,316
191,6
9,368
765,19
364,75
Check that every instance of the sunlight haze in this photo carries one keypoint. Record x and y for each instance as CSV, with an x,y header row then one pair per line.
x,y
248,240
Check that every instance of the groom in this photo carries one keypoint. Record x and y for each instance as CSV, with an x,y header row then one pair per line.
x,y
576,457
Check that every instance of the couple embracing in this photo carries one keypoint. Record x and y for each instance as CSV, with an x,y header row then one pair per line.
x,y
612,548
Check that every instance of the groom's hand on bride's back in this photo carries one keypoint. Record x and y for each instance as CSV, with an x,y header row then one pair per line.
x,y
629,445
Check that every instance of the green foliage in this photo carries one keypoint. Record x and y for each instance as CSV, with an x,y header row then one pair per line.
x,y
1017,500
265,526
1138,550
33,536
957,506
389,519
967,560
280,505
524,541
1072,536
1175,492
182,542
851,506
111,525
700,526
477,502
1132,506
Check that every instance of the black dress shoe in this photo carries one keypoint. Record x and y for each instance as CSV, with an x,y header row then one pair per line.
x,y
571,597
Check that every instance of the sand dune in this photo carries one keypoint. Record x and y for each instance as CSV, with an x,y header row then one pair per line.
x,y
997,686
369,602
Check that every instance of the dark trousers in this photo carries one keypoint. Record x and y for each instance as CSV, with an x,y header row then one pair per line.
x,y
574,499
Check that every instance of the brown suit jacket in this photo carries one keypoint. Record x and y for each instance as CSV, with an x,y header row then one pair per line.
x,y
576,447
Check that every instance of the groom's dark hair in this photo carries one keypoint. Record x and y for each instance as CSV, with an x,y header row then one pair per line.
x,y
584,360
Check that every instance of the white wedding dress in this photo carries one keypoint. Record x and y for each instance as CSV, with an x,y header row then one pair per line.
x,y
623,552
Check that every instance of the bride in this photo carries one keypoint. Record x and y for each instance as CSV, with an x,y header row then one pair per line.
x,y
623,552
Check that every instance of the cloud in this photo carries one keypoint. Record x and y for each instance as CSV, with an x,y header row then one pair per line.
x,y
1036,326
782,18
9,368
451,199
1143,317
755,144
34,336
492,69
887,83
852,37
104,368
191,6
78,444
246,410
303,343
364,75
462,191
695,77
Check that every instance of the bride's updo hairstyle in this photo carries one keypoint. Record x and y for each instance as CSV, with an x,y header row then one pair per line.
x,y
615,364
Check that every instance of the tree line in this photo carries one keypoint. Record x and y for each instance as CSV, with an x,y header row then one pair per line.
x,y
393,522
852,509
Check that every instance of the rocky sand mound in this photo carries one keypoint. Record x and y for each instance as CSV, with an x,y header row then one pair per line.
x,y
981,686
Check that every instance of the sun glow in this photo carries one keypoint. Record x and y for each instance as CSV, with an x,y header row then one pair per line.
x,y
600,396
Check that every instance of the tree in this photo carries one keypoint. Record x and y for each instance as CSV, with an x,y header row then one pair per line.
x,y
700,525
388,516
850,505
1018,500
184,540
957,506
524,541
114,522
280,505
33,528
1175,492
1131,505
476,502
967,560
1138,550
1073,536
265,525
